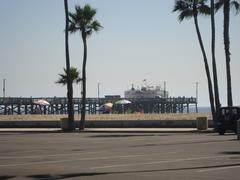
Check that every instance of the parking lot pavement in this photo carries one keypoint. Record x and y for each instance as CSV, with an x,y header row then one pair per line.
x,y
108,130
119,156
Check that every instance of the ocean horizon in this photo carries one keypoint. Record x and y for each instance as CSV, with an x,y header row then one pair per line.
x,y
201,109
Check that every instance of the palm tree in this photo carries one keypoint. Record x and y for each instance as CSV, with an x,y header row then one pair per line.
x,y
83,20
188,9
226,13
63,79
214,66
69,84
74,76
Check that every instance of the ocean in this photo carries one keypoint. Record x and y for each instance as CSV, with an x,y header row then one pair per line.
x,y
201,109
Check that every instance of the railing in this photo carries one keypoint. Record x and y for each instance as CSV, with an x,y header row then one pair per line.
x,y
63,100
58,105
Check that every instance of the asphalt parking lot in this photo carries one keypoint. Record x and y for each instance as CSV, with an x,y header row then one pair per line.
x,y
119,156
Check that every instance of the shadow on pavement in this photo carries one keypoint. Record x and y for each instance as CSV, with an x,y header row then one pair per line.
x,y
6,177
66,176
226,134
63,176
179,143
231,152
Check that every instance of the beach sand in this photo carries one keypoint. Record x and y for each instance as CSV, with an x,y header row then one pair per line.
x,y
97,117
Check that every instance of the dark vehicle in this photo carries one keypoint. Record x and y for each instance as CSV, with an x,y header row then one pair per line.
x,y
227,119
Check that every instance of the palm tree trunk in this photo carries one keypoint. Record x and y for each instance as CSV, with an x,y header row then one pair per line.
x,y
226,12
210,88
69,84
83,110
214,66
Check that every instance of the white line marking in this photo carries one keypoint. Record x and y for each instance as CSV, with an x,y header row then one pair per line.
x,y
159,162
52,162
71,160
218,168
129,156
112,140
49,155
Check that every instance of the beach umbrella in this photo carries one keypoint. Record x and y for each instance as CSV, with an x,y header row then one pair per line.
x,y
108,105
123,101
42,102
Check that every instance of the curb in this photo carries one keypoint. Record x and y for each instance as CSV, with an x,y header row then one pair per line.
x,y
106,130
106,124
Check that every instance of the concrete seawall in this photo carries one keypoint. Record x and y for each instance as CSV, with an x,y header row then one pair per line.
x,y
106,124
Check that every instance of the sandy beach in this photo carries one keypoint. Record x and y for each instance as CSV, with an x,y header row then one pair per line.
x,y
96,117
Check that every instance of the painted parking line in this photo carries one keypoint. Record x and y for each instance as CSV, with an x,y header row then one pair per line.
x,y
219,168
50,155
159,162
72,160
109,141
51,162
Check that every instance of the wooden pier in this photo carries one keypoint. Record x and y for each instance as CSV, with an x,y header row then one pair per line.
x,y
58,105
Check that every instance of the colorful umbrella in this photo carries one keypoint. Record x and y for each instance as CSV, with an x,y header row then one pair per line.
x,y
42,102
123,101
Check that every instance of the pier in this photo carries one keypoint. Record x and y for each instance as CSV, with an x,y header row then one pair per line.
x,y
58,105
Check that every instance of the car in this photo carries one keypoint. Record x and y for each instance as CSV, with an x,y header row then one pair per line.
x,y
227,119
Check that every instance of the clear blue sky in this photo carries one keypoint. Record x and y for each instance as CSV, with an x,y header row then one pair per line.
x,y
141,39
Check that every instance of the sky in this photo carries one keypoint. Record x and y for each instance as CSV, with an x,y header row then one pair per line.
x,y
141,39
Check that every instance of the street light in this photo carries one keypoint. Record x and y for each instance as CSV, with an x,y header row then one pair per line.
x,y
98,90
4,87
164,90
197,83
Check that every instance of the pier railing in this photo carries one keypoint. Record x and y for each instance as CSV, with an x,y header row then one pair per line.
x,y
58,105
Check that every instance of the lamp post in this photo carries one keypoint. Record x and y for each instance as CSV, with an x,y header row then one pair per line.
x,y
4,87
197,96
98,90
165,93
98,87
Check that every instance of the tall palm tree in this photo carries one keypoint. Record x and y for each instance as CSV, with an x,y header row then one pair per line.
x,y
188,9
214,66
83,20
74,76
226,13
69,84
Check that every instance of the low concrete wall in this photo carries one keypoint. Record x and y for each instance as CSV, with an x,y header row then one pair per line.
x,y
106,124
30,124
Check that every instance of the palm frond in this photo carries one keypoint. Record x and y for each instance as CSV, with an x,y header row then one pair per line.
x,y
204,9
78,12
74,76
89,13
96,26
73,18
236,5
181,5
78,80
89,32
185,9
219,4
62,80
187,14
83,19
72,28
